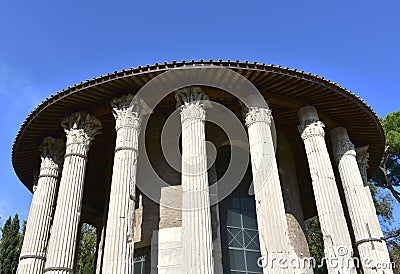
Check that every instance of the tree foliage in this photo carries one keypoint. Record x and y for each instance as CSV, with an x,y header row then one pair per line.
x,y
383,204
87,250
12,238
10,245
394,250
315,242
388,174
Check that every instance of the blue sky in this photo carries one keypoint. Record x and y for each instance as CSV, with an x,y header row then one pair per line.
x,y
46,46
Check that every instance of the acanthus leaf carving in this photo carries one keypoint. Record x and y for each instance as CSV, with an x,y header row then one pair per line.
x,y
362,160
81,128
257,114
312,128
342,148
191,100
127,111
52,152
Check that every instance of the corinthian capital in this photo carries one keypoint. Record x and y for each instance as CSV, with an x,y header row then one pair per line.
x,y
341,143
127,111
190,95
309,123
363,155
191,100
81,128
362,160
52,150
256,114
341,148
316,128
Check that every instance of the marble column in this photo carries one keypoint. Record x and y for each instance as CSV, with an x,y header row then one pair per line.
x,y
362,157
119,244
33,252
337,242
196,216
80,129
367,231
271,218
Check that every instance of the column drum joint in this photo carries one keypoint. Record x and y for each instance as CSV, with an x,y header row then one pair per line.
x,y
76,154
126,148
32,257
58,269
48,176
370,240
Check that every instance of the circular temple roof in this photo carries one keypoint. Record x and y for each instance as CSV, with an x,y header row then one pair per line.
x,y
285,89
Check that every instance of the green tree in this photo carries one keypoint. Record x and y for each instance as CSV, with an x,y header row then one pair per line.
x,y
87,250
388,174
10,245
383,204
315,242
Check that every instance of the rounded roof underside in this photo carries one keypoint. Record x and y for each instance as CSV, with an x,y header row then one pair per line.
x,y
285,89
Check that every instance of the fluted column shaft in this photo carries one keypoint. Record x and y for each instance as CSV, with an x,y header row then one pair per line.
x,y
80,130
367,231
271,218
196,215
362,157
119,245
337,241
33,252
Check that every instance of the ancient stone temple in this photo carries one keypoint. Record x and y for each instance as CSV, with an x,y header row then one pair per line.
x,y
201,167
